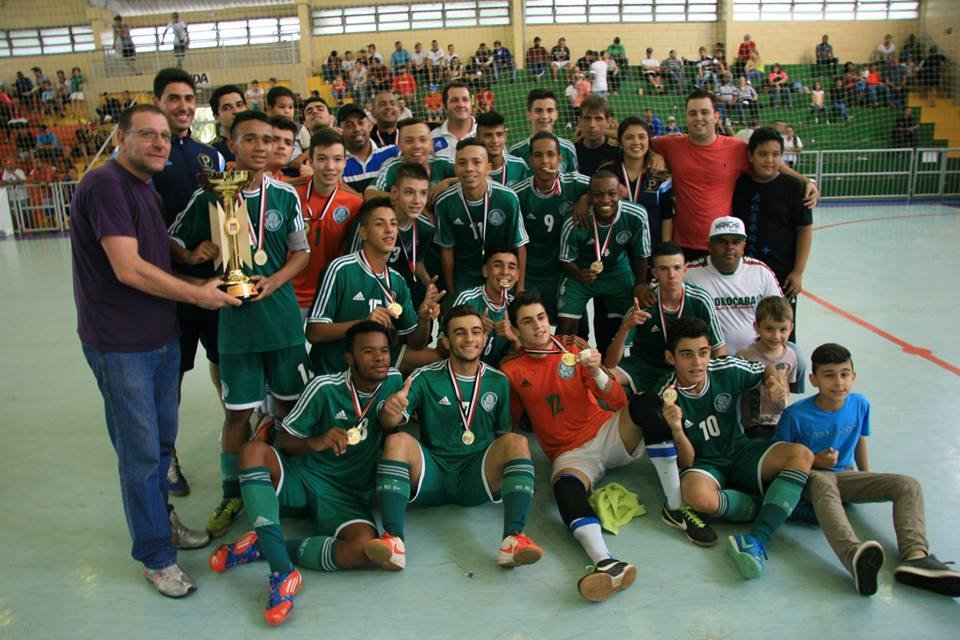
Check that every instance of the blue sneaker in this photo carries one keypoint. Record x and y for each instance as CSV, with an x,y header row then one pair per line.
x,y
282,589
244,550
804,513
177,482
749,553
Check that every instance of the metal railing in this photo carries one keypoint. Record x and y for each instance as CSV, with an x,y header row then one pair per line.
x,y
841,175
106,63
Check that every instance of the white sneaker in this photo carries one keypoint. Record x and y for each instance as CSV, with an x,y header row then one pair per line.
x,y
171,581
184,538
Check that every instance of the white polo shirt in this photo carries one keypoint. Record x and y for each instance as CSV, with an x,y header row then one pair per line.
x,y
445,143
735,296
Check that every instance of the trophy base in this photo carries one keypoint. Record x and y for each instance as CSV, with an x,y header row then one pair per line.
x,y
242,290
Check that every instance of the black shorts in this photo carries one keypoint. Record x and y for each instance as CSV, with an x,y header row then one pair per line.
x,y
197,326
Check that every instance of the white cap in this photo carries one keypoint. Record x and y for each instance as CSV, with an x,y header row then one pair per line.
x,y
728,226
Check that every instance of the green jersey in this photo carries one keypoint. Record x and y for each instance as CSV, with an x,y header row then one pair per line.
x,y
629,232
434,397
543,217
414,240
350,291
328,402
472,228
260,325
497,346
388,173
516,170
710,419
568,154
650,338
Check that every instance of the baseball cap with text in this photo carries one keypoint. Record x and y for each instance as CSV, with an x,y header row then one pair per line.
x,y
727,226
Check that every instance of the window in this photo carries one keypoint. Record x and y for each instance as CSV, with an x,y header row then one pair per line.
x,y
619,11
206,35
403,17
748,10
45,41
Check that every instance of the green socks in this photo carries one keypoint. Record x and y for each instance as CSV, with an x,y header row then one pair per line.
x,y
736,506
317,552
778,503
263,510
517,492
393,493
229,471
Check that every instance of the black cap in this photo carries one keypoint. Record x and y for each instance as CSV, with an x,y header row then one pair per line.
x,y
349,110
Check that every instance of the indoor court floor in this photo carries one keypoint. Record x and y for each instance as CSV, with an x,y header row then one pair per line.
x,y
882,281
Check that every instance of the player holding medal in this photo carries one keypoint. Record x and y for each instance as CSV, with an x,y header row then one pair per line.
x,y
360,286
607,259
262,340
462,404
326,455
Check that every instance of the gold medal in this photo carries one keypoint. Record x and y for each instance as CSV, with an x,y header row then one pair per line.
x,y
395,309
260,257
596,266
353,436
669,395
505,284
467,438
569,359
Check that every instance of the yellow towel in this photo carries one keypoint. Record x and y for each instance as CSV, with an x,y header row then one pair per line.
x,y
616,506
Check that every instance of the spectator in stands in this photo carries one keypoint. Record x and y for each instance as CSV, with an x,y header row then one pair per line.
x,y
706,71
399,59
373,54
339,89
26,142
77,87
503,61
127,102
404,110
854,86
24,89
50,100
62,87
930,70
255,96
897,76
83,146
651,72
560,58
418,63
613,73
360,81
473,74
754,69
181,37
404,85
885,51
123,44
483,58
671,128
838,93
39,80
485,99
436,62
877,88
654,124
433,104
792,146
817,102
7,109
747,100
346,65
904,133
743,53
911,51
536,60
48,144
673,71
454,70
379,76
331,67
14,178
619,55
823,54
451,53
726,97
779,85
598,75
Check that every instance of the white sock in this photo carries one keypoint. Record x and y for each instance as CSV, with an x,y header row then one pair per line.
x,y
663,455
588,533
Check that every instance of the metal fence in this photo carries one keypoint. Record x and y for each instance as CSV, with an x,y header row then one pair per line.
x,y
107,64
841,175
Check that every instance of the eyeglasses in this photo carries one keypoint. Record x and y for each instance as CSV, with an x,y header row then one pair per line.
x,y
151,134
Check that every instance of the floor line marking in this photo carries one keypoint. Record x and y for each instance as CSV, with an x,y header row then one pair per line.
x,y
884,218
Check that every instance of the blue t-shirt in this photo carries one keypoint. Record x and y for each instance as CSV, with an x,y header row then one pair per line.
x,y
807,424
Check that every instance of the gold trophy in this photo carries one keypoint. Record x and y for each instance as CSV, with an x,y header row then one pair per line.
x,y
230,230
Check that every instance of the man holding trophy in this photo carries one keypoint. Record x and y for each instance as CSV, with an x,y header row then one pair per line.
x,y
250,223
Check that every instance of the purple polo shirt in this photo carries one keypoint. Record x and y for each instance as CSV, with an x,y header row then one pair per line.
x,y
111,316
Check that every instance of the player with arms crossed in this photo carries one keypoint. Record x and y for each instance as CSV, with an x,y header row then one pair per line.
x,y
725,474
585,425
322,466
462,404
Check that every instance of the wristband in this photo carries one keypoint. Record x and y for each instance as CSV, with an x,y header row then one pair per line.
x,y
601,378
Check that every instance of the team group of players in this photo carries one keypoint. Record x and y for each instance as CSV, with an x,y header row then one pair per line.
x,y
495,247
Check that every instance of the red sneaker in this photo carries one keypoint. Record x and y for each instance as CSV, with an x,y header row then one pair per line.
x,y
282,589
518,549
244,550
387,551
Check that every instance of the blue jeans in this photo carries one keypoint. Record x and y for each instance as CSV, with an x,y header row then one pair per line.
x,y
140,400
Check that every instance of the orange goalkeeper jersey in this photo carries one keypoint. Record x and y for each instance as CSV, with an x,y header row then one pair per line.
x,y
562,402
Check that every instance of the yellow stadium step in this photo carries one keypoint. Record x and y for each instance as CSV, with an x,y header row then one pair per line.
x,y
944,116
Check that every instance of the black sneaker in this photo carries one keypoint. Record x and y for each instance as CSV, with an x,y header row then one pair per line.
x,y
687,520
608,577
866,563
930,574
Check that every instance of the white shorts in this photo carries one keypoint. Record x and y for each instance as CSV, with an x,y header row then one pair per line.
x,y
560,64
77,95
594,458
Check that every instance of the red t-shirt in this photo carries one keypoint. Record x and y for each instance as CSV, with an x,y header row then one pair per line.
x,y
325,236
405,85
564,412
704,178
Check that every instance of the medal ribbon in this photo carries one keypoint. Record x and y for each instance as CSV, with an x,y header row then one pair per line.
x,y
546,352
663,317
326,207
555,189
379,278
493,305
601,251
412,254
257,241
355,396
634,193
466,418
486,209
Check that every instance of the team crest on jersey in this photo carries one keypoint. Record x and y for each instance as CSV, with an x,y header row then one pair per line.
x,y
224,390
722,402
496,217
489,401
623,237
273,220
340,214
565,206
566,371
206,162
